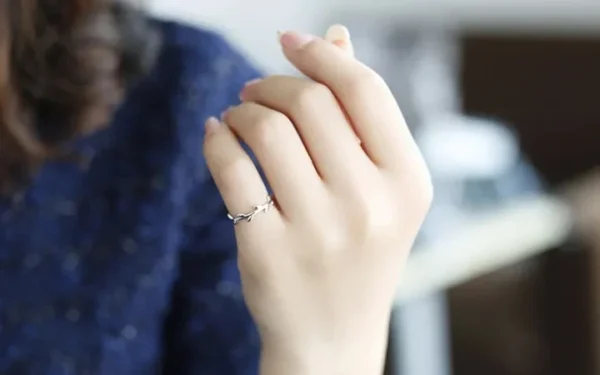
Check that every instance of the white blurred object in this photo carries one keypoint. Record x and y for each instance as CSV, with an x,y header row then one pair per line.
x,y
251,25
459,147
433,78
456,147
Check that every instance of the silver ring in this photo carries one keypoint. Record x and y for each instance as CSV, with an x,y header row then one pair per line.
x,y
250,215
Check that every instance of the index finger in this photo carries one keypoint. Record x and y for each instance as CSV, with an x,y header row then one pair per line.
x,y
362,93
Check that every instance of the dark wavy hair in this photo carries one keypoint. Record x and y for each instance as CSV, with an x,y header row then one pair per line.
x,y
65,66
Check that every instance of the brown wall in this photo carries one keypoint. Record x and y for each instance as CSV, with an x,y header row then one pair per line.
x,y
533,318
548,88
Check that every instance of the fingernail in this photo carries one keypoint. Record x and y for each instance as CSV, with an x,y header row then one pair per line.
x,y
340,43
337,33
292,40
212,124
252,81
247,85
224,113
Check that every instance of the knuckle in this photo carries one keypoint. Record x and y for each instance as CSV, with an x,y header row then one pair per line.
x,y
423,189
326,251
331,239
367,79
415,182
230,172
268,127
313,48
311,95
373,215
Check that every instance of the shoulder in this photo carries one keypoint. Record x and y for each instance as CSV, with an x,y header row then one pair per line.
x,y
208,72
159,128
206,59
199,72
196,40
196,74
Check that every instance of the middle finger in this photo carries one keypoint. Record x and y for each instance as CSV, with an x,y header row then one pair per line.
x,y
321,122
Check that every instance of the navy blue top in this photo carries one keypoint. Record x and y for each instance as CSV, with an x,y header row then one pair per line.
x,y
127,264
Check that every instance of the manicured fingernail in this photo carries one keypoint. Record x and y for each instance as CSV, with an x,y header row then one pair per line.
x,y
212,124
292,40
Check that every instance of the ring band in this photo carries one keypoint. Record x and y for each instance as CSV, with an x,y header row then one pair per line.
x,y
250,215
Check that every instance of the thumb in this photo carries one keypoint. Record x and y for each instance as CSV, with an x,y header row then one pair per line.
x,y
340,36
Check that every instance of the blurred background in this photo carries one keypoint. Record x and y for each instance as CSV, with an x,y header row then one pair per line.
x,y
503,97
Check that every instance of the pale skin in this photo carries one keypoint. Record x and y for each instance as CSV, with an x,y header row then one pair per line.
x,y
320,268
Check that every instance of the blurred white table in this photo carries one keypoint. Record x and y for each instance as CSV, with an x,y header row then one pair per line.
x,y
487,242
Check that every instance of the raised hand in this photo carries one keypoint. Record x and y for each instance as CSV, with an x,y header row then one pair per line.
x,y
320,268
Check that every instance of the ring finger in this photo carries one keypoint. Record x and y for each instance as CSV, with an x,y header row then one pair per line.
x,y
281,154
234,173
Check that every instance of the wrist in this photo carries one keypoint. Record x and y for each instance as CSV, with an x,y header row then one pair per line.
x,y
367,358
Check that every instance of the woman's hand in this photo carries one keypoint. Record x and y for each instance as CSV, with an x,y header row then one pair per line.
x,y
320,268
